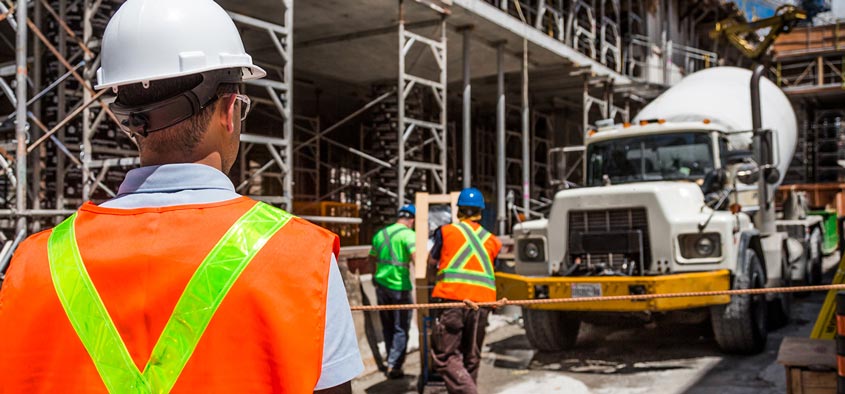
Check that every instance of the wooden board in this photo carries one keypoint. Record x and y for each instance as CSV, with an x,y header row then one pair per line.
x,y
813,39
816,354
799,381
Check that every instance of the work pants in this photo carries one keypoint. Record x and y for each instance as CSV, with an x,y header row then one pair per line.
x,y
395,325
457,338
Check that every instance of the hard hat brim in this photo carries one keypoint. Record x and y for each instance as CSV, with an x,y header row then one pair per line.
x,y
251,72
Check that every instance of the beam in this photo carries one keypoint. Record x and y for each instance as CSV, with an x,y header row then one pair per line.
x,y
335,39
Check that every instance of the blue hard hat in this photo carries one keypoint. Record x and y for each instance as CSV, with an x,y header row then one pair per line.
x,y
471,197
410,209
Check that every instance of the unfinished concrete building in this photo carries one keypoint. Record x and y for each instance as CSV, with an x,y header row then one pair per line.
x,y
366,102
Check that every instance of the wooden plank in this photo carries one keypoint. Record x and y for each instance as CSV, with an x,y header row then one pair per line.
x,y
819,380
823,380
804,39
818,354
795,379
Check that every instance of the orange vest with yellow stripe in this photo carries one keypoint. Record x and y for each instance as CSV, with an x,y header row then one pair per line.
x,y
465,271
267,335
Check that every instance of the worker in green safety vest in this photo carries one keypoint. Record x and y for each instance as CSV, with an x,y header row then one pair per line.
x,y
392,252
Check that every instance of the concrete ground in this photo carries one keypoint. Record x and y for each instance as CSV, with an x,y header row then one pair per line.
x,y
667,359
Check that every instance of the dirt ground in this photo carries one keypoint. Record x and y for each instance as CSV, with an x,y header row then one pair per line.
x,y
667,358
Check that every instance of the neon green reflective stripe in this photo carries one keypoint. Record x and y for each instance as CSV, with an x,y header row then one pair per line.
x,y
202,296
456,272
477,245
88,315
466,277
206,290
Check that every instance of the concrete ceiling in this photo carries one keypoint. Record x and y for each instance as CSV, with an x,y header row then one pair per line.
x,y
357,42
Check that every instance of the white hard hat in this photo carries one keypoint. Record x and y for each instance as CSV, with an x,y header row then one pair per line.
x,y
148,40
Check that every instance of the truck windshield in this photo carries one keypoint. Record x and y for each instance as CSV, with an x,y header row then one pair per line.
x,y
667,157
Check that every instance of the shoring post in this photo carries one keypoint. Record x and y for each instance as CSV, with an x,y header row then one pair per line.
x,y
501,210
526,134
21,120
87,127
467,109
289,82
400,128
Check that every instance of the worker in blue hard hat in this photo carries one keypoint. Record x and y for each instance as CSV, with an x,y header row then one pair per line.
x,y
463,254
392,252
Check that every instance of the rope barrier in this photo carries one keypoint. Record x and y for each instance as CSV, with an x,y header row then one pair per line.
x,y
638,297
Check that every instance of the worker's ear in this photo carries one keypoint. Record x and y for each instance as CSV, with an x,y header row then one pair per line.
x,y
225,112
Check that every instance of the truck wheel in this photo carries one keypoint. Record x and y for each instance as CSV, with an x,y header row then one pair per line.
x,y
741,326
780,307
550,331
815,258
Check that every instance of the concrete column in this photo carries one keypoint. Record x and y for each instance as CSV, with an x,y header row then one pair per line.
x,y
501,210
467,113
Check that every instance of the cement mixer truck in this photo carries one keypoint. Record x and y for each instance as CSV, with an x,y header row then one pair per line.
x,y
679,200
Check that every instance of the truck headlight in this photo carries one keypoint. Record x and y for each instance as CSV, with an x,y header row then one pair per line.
x,y
700,246
532,250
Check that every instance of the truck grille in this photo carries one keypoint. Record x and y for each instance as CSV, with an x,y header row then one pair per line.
x,y
608,221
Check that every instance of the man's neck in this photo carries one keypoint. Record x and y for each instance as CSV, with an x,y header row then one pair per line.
x,y
211,160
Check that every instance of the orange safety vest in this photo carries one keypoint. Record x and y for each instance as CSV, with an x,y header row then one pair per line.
x,y
466,263
267,335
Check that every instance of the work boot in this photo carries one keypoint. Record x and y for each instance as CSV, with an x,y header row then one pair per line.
x,y
395,373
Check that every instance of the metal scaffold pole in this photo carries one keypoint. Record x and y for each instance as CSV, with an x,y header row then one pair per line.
x,y
428,157
288,81
87,129
467,109
400,168
501,210
526,134
20,121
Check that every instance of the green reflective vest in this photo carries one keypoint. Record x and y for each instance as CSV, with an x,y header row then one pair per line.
x,y
202,296
392,247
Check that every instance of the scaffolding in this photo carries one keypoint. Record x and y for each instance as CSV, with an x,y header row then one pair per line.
x,y
66,149
809,65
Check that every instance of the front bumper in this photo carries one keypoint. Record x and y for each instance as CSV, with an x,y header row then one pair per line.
x,y
518,287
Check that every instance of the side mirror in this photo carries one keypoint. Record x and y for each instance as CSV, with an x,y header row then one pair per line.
x,y
772,174
748,173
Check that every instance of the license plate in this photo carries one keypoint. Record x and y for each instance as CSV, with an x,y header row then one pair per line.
x,y
584,290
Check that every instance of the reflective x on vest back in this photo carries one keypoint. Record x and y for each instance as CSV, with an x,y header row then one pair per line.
x,y
456,271
195,308
386,243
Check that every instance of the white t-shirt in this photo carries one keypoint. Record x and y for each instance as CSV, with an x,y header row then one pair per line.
x,y
182,184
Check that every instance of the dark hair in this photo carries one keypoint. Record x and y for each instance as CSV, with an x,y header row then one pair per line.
x,y
468,211
184,136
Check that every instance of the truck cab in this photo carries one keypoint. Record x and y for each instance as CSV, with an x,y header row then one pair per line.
x,y
643,185
665,207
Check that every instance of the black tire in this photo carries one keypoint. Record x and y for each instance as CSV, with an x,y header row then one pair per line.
x,y
815,258
780,307
550,331
741,327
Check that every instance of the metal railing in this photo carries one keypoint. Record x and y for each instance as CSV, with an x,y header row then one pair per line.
x,y
585,29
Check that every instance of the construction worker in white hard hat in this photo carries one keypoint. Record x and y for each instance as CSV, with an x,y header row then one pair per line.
x,y
393,251
178,284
